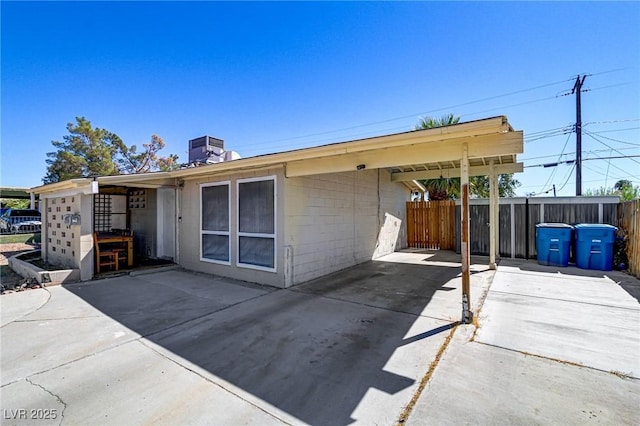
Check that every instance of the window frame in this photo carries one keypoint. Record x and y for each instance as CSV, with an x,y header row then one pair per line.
x,y
273,236
203,232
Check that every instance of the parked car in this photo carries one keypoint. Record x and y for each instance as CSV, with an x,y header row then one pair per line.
x,y
20,220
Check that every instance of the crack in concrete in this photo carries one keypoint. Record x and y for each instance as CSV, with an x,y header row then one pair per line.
x,y
64,404
628,308
212,382
35,310
58,319
560,361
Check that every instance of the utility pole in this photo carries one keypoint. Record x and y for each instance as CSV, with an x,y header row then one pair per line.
x,y
577,88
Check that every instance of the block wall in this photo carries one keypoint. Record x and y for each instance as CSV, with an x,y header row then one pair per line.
x,y
333,221
62,241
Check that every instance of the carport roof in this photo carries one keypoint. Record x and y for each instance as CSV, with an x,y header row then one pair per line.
x,y
412,155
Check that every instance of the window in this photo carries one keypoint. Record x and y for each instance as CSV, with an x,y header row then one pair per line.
x,y
214,223
257,223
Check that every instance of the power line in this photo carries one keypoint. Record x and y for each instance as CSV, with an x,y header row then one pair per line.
x,y
616,130
568,153
611,121
559,157
608,146
614,140
419,114
622,170
568,176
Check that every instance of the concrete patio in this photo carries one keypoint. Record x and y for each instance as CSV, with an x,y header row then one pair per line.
x,y
183,348
553,346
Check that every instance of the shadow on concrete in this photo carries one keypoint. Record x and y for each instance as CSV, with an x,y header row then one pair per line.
x,y
625,280
313,351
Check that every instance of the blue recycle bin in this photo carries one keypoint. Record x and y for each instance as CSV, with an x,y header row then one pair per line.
x,y
594,246
553,243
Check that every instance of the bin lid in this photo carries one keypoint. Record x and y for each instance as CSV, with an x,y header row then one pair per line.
x,y
597,226
554,225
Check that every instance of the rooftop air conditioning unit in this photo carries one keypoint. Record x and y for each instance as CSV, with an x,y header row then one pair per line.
x,y
200,149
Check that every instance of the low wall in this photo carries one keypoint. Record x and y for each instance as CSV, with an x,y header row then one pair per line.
x,y
44,278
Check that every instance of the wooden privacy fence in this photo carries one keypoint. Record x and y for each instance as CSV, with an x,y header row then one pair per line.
x,y
629,224
431,224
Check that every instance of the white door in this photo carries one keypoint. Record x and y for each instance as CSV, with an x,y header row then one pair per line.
x,y
166,242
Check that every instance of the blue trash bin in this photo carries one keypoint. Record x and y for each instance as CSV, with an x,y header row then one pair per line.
x,y
594,246
553,242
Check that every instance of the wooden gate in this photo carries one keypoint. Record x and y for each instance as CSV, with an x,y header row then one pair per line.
x,y
629,224
431,224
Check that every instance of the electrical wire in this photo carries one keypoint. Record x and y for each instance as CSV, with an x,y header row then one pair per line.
x,y
566,154
622,170
554,169
568,176
418,114
612,139
608,146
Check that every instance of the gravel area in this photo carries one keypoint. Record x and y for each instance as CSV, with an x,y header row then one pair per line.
x,y
8,278
8,250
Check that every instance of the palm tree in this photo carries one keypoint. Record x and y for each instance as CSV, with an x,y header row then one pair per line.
x,y
442,188
449,188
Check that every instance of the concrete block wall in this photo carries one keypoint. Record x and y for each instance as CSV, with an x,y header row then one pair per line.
x,y
62,241
333,221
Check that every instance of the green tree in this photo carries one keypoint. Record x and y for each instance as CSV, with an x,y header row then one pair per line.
x,y
14,203
622,188
132,161
449,188
88,151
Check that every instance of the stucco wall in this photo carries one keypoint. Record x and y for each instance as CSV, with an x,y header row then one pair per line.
x,y
189,229
333,221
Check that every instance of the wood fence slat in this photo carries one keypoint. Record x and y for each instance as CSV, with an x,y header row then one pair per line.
x,y
430,224
629,224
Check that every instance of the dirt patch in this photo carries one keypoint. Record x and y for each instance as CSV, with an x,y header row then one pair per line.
x,y
8,277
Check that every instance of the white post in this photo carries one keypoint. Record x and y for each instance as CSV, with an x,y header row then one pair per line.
x,y
512,214
467,315
492,216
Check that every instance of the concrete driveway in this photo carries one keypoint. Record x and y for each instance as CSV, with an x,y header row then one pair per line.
x,y
554,346
183,348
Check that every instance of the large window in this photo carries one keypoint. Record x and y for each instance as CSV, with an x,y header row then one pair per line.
x,y
257,223
214,223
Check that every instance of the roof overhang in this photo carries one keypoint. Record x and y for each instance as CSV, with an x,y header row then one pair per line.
x,y
91,185
418,150
413,155
14,193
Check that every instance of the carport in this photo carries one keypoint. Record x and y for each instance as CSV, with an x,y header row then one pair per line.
x,y
482,147
487,147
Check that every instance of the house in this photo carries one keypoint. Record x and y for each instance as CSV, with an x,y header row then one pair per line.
x,y
278,219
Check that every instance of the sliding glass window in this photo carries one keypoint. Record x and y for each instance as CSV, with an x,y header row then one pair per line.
x,y
214,222
257,223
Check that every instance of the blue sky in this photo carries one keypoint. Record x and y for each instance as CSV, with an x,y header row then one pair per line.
x,y
267,77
